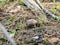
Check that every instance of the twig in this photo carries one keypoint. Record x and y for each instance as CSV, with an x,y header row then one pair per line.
x,y
45,10
37,5
31,4
7,35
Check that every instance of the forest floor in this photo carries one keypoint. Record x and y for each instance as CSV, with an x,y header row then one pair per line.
x,y
49,28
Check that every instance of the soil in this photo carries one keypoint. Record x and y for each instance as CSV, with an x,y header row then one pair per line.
x,y
49,28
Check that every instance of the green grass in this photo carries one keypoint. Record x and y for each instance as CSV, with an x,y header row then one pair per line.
x,y
10,20
12,32
58,8
41,20
46,42
53,10
20,2
53,1
2,2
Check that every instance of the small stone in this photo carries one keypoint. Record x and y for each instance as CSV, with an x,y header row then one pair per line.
x,y
31,22
37,39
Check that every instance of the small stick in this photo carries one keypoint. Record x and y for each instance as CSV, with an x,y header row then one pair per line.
x,y
35,4
44,9
2,28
